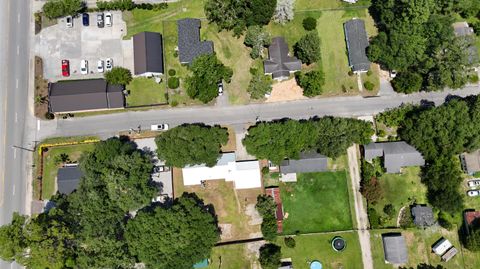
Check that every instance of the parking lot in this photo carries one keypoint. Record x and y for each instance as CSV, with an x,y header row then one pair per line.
x,y
91,43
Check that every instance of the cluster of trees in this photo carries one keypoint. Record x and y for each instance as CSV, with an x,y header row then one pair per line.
x,y
369,185
270,256
396,116
257,38
236,15
92,227
330,136
259,85
128,5
307,49
59,8
118,76
416,39
267,207
191,144
284,11
311,82
440,133
207,71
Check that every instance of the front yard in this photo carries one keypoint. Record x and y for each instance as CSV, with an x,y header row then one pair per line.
x,y
316,202
318,247
145,91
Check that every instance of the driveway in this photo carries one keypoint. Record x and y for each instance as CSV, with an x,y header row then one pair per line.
x,y
91,43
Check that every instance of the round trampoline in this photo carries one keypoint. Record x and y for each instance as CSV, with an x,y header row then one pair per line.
x,y
316,265
338,243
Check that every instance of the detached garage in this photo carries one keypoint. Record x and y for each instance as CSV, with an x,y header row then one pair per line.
x,y
148,54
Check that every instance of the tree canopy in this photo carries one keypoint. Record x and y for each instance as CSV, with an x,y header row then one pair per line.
x,y
259,85
311,82
174,237
267,207
59,8
191,144
257,38
307,49
207,72
270,255
118,76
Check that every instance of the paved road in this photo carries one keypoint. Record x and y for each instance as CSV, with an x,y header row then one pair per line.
x,y
110,124
360,211
15,29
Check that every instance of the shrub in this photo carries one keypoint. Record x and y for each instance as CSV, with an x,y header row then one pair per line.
x,y
350,73
369,85
118,76
49,116
290,242
174,103
311,82
172,72
369,72
444,221
307,49
270,255
389,210
265,170
173,82
175,54
406,219
407,82
309,23
473,78
60,8
374,218
381,133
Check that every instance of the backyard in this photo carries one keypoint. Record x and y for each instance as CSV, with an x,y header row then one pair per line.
x,y
400,190
316,202
419,245
51,163
145,91
318,247
235,256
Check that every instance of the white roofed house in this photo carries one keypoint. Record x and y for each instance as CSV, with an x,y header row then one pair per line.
x,y
243,174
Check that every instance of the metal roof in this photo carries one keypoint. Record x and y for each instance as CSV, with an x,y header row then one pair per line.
x,y
68,178
395,248
83,95
307,163
396,155
357,43
189,44
148,53
279,63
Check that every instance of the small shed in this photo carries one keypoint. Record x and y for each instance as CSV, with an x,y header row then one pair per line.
x,y
423,216
395,248
449,254
68,178
441,246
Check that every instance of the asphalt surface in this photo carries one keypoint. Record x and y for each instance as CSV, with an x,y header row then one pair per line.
x,y
239,116
15,29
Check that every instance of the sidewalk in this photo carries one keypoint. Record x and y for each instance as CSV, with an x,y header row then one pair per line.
x,y
360,212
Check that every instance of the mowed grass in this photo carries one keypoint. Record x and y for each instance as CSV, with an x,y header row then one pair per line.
x,y
232,257
401,190
318,247
145,91
419,246
317,202
301,5
50,169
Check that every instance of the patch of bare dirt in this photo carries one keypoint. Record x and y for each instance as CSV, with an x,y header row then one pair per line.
x,y
286,91
226,229
41,90
255,218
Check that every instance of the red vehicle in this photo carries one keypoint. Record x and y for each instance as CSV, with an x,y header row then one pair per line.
x,y
65,68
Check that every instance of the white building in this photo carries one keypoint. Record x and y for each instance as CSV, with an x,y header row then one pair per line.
x,y
243,174
441,246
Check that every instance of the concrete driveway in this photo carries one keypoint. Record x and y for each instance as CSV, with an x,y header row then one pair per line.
x,y
91,43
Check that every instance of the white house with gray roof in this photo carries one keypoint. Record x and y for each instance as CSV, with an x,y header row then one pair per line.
x,y
395,155
189,44
357,43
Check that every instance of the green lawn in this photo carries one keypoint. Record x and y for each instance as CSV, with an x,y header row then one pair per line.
x,y
50,169
318,247
231,257
145,91
419,245
401,190
326,4
317,202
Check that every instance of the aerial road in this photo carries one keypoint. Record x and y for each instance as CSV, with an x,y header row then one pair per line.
x,y
15,113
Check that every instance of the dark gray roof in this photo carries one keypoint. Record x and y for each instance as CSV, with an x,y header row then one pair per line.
x,y
279,63
396,155
395,248
189,44
423,216
148,53
83,95
68,179
357,43
309,162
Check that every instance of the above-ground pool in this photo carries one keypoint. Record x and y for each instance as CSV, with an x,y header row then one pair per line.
x,y
316,265
338,243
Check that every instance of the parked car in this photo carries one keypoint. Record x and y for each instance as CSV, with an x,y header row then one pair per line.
x,y
159,127
473,183
100,22
69,21
108,19
85,19
84,67
100,66
473,193
65,68
108,64
220,88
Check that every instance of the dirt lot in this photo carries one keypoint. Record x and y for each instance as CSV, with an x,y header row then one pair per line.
x,y
286,91
41,90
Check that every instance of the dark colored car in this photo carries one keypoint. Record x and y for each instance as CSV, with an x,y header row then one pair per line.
x,y
85,19
65,68
100,22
